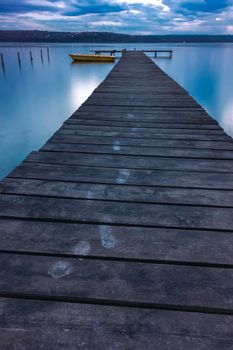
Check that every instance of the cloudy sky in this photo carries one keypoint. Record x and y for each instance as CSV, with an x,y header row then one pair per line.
x,y
121,16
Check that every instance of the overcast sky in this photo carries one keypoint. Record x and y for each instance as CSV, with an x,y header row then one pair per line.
x,y
121,16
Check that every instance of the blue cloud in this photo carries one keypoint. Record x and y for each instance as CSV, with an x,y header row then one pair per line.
x,y
87,7
21,6
123,16
205,6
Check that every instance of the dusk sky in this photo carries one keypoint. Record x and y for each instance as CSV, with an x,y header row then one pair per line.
x,y
121,16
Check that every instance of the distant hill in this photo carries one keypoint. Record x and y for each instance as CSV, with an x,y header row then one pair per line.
x,y
37,36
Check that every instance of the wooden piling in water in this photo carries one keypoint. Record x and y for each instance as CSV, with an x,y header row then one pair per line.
x,y
2,63
118,232
41,56
19,60
48,55
31,58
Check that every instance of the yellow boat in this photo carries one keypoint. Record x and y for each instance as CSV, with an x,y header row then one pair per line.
x,y
92,58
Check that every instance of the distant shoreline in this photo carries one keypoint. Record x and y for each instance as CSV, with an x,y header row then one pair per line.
x,y
36,36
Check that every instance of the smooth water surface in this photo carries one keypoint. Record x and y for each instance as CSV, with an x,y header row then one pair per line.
x,y
36,99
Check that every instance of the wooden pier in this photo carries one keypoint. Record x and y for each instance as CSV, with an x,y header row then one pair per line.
x,y
118,233
156,52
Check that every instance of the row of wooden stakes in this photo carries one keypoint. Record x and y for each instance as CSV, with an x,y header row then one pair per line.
x,y
30,56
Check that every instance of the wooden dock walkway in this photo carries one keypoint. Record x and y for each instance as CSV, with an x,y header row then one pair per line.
x,y
118,233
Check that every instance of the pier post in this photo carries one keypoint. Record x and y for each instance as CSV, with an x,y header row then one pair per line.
x,y
19,60
41,56
3,65
48,55
31,58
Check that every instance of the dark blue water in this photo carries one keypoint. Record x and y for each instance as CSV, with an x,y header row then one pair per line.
x,y
36,99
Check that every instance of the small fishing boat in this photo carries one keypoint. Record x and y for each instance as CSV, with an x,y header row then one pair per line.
x,y
92,58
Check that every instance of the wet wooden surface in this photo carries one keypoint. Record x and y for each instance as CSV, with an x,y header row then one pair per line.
x,y
118,233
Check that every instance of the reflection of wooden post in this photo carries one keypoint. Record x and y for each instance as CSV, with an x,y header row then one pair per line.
x,y
155,54
48,55
3,65
41,56
19,60
31,58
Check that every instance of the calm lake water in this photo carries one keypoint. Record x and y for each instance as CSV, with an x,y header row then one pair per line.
x,y
35,100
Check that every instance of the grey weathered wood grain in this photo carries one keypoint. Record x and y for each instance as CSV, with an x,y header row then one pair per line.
x,y
163,245
193,145
59,325
118,147
107,122
143,135
120,213
118,192
144,97
94,101
142,130
108,175
132,162
143,110
117,282
144,114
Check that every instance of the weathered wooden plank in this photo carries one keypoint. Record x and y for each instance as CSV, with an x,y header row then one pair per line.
x,y
141,129
162,95
130,124
117,282
153,84
145,194
112,212
95,101
143,110
146,79
141,97
117,148
146,110
139,90
132,162
165,87
166,81
107,175
145,119
114,88
151,78
59,325
146,124
145,135
150,143
117,242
